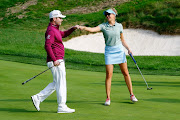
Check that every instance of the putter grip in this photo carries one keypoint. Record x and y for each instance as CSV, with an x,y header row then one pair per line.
x,y
132,58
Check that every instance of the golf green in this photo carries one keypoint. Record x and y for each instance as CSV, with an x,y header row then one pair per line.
x,y
86,94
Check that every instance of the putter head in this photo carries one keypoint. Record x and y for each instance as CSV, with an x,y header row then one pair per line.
x,y
149,88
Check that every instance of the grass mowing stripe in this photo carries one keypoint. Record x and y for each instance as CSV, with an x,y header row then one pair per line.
x,y
18,48
151,65
86,94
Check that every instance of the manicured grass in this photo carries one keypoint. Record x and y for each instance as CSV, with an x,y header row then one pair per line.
x,y
149,65
86,93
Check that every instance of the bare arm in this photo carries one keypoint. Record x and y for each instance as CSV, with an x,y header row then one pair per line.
x,y
125,44
90,29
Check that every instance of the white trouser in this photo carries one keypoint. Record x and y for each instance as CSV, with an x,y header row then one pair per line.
x,y
58,84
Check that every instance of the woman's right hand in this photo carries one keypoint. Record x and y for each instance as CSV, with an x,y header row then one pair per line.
x,y
129,52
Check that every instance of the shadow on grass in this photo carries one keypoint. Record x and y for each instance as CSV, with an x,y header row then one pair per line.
x,y
78,102
50,101
128,102
142,83
16,100
98,102
24,110
166,100
24,101
16,110
29,100
19,110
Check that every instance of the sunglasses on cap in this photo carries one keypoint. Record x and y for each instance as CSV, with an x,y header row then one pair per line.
x,y
107,14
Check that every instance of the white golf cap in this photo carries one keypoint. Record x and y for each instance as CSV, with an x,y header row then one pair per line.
x,y
56,13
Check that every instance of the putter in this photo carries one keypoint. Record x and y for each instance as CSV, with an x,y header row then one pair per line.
x,y
36,75
140,72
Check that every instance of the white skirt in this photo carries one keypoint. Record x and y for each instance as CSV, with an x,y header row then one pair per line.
x,y
115,55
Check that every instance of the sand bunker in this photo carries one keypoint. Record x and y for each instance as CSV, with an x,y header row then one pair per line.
x,y
141,42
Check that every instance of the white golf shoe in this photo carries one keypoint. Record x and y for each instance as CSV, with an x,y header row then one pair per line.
x,y
36,102
65,109
133,98
108,102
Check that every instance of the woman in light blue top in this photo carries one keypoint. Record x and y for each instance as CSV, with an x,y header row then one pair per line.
x,y
114,53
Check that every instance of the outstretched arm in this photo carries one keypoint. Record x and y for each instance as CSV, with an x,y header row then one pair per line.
x,y
68,32
90,29
125,44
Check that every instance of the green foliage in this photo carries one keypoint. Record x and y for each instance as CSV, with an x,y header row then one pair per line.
x,y
9,3
162,16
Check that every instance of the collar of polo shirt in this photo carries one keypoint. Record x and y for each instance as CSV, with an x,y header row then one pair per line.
x,y
111,25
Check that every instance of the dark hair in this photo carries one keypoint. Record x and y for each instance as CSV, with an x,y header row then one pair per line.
x,y
51,19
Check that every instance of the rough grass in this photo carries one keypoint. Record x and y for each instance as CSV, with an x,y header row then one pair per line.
x,y
161,16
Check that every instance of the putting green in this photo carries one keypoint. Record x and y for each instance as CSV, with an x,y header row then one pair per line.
x,y
86,93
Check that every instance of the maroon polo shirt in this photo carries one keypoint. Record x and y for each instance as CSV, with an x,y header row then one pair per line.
x,y
54,44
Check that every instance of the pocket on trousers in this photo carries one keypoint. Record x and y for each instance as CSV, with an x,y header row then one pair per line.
x,y
50,64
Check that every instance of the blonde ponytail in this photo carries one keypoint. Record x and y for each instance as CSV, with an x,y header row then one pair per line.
x,y
114,10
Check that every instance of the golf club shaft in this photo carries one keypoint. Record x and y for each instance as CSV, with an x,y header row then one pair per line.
x,y
139,69
142,75
36,75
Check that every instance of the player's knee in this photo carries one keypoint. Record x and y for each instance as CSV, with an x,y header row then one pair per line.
x,y
108,75
125,73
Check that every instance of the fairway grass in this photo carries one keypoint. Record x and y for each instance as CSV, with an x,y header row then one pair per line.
x,y
86,94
